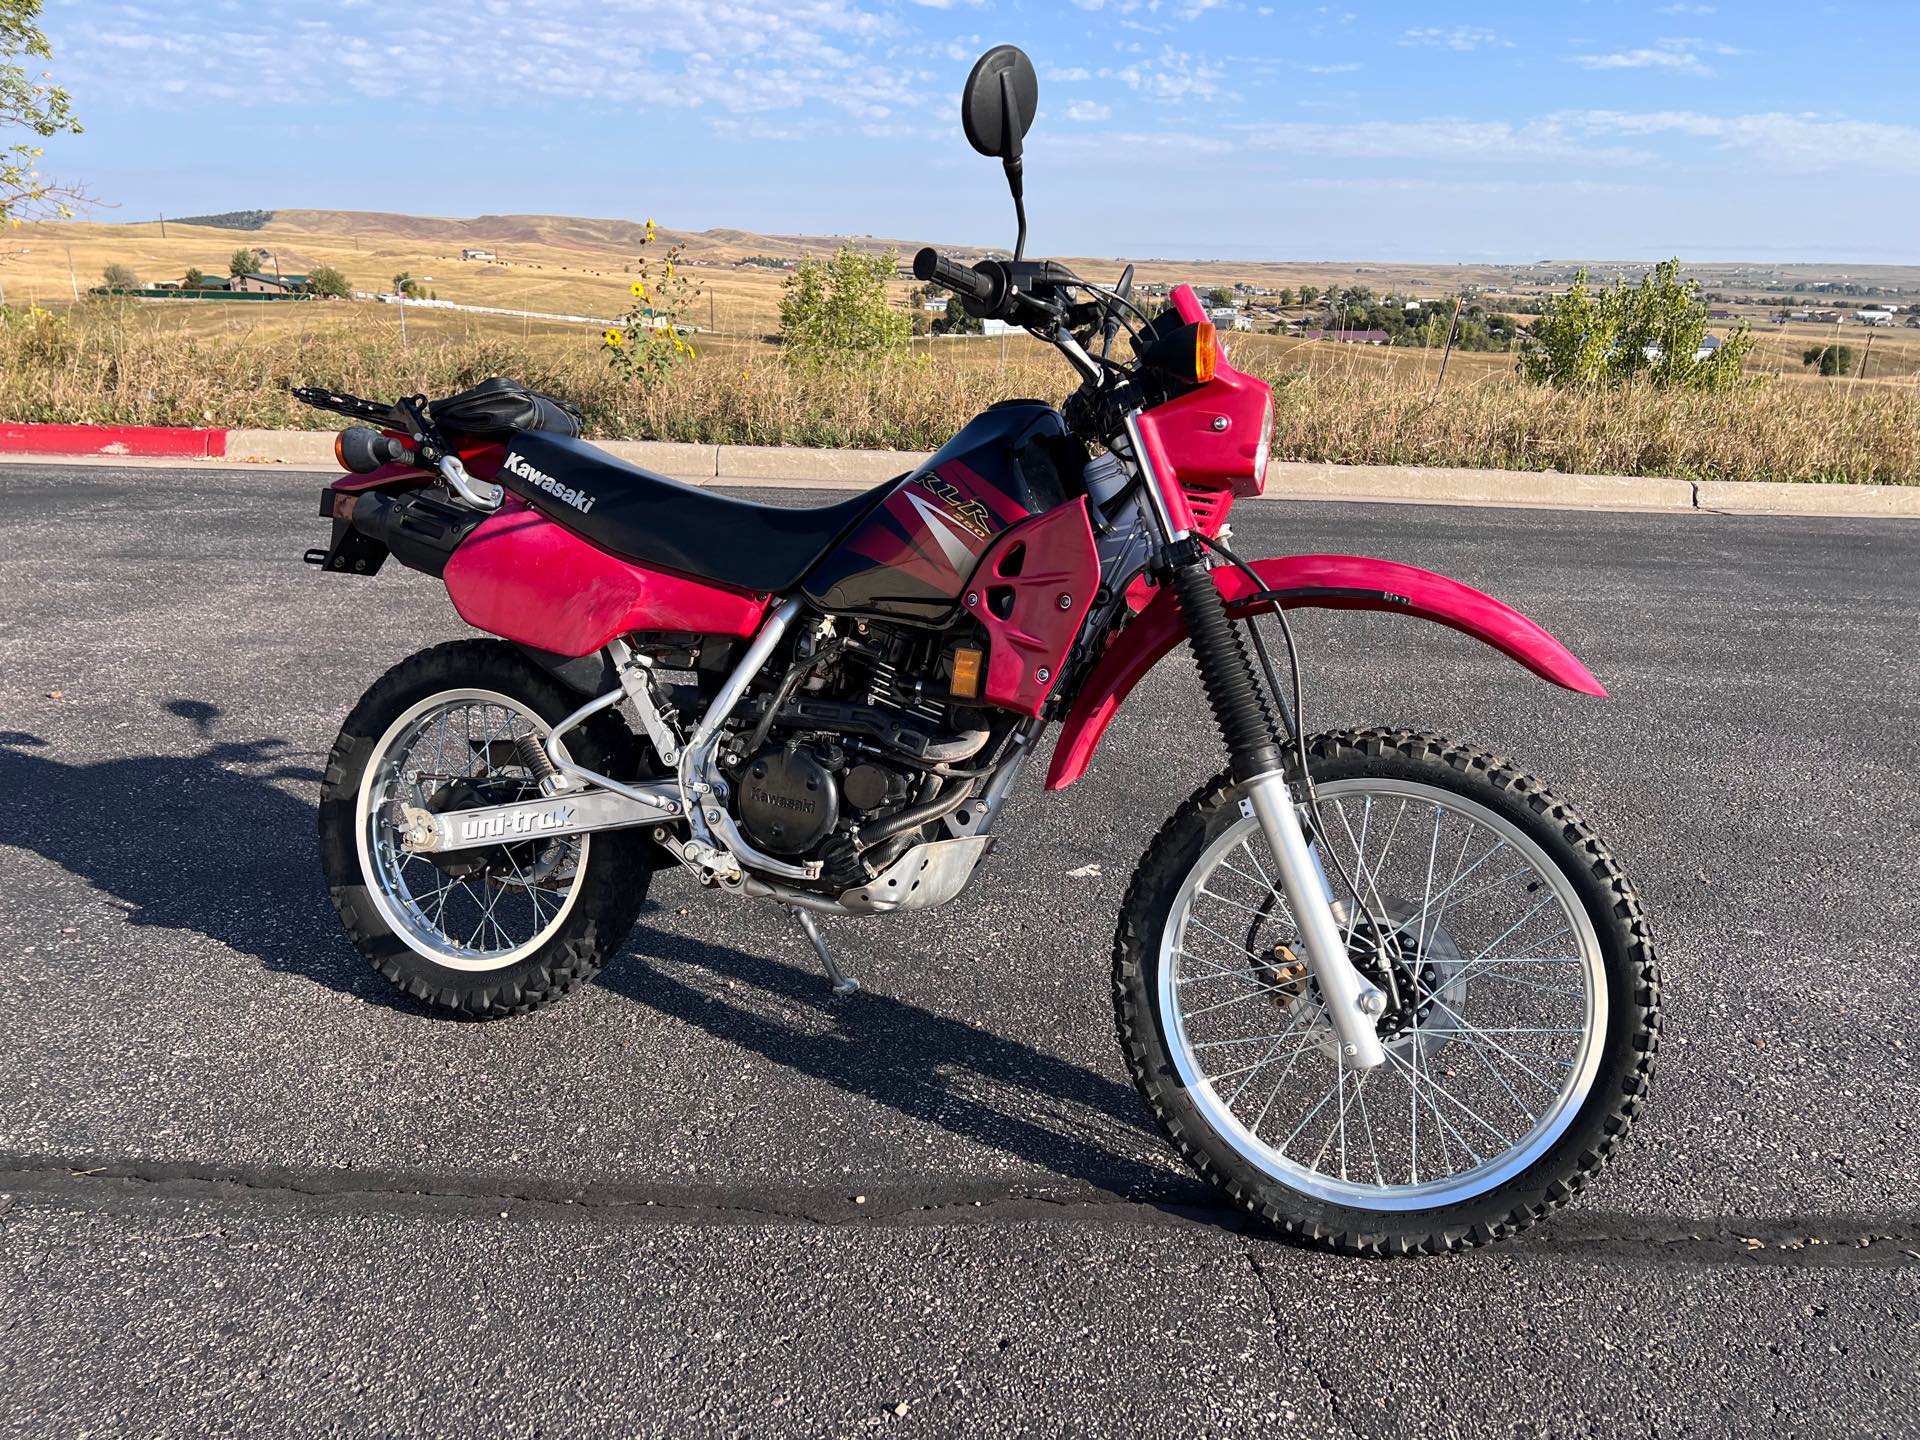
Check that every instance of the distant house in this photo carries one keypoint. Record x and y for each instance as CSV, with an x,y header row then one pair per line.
x,y
1874,317
268,284
476,255
1351,337
1228,317
207,282
1708,344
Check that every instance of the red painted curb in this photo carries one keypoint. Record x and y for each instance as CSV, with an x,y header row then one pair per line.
x,y
146,441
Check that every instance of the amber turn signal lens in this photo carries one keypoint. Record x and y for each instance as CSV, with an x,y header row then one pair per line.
x,y
340,451
1206,351
966,672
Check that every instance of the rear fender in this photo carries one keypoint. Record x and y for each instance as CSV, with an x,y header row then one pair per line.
x,y
1324,582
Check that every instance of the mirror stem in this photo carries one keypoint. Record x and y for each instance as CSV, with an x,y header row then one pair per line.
x,y
1016,182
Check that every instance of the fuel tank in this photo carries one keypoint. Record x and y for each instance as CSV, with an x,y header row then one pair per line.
x,y
909,559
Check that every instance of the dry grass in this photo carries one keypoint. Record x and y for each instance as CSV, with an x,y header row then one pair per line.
x,y
111,363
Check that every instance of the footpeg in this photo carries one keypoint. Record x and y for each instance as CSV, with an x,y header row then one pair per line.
x,y
843,983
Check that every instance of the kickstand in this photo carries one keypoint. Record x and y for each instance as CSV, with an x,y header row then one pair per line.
x,y
843,983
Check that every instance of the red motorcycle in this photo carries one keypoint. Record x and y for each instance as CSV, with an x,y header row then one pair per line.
x,y
1384,990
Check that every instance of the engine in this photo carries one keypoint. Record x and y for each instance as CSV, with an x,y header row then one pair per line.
x,y
859,748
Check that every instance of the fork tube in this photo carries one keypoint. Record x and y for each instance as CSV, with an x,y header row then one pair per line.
x,y
1253,760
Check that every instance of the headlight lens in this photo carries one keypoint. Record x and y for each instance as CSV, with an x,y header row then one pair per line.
x,y
1266,446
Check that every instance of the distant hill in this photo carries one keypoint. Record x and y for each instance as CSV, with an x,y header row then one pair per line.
x,y
566,232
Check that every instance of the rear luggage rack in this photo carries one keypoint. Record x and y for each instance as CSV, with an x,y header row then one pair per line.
x,y
352,406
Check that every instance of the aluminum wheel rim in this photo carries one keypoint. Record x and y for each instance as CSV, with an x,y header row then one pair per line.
x,y
402,883
1197,971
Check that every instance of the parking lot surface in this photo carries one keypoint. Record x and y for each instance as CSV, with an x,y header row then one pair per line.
x,y
246,1190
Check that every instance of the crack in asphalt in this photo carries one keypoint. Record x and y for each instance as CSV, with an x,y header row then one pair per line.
x,y
1303,1356
1804,1241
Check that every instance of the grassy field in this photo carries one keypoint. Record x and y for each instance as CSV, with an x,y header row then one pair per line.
x,y
232,364
123,362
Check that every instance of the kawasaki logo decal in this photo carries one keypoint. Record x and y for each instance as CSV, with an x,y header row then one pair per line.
x,y
533,475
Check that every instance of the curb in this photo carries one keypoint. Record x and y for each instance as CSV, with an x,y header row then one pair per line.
x,y
128,441
804,468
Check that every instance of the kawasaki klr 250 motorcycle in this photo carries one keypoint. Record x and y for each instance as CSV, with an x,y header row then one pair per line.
x,y
1384,990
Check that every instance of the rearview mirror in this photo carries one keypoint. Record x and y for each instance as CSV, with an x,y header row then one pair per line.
x,y
1000,100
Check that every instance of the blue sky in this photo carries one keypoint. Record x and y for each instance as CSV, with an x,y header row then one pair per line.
x,y
1754,129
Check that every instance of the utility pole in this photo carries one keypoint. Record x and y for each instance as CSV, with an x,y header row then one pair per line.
x,y
1452,330
163,227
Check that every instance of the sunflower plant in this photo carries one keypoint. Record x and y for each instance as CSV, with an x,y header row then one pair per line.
x,y
653,336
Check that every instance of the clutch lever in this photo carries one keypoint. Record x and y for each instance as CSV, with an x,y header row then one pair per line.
x,y
1124,290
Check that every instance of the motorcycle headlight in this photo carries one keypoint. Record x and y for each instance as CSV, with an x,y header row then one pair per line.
x,y
1265,448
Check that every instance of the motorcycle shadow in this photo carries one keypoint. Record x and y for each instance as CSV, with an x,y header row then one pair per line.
x,y
212,843
979,1086
218,842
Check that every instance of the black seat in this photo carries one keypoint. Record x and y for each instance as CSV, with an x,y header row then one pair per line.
x,y
652,520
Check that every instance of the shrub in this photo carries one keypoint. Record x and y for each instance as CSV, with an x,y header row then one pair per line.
x,y
838,313
120,277
1651,332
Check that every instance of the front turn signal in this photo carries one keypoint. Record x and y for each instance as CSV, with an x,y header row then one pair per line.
x,y
1189,353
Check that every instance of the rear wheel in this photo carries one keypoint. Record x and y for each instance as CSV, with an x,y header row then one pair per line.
x,y
483,932
1521,1022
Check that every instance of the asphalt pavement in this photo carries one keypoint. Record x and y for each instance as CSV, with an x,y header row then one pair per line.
x,y
245,1190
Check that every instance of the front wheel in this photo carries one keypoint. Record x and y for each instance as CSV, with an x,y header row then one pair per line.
x,y
1522,1017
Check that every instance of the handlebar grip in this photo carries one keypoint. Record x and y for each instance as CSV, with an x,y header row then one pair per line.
x,y
931,265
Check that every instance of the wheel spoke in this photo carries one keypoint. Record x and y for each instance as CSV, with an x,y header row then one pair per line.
x,y
512,898
1485,1068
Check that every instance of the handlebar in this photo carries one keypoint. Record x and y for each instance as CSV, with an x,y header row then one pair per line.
x,y
1015,290
931,265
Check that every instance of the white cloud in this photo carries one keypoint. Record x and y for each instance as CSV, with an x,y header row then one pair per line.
x,y
1673,53
1067,75
1805,143
1171,75
1460,37
1593,139
1346,67
1088,110
1682,8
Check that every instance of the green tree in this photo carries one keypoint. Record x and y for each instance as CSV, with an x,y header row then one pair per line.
x,y
120,277
1652,331
1286,295
1308,294
919,317
1829,359
838,313
405,284
1220,295
958,320
326,281
29,103
244,262
194,278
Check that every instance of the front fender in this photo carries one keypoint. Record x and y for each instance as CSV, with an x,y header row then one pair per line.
x,y
1325,582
